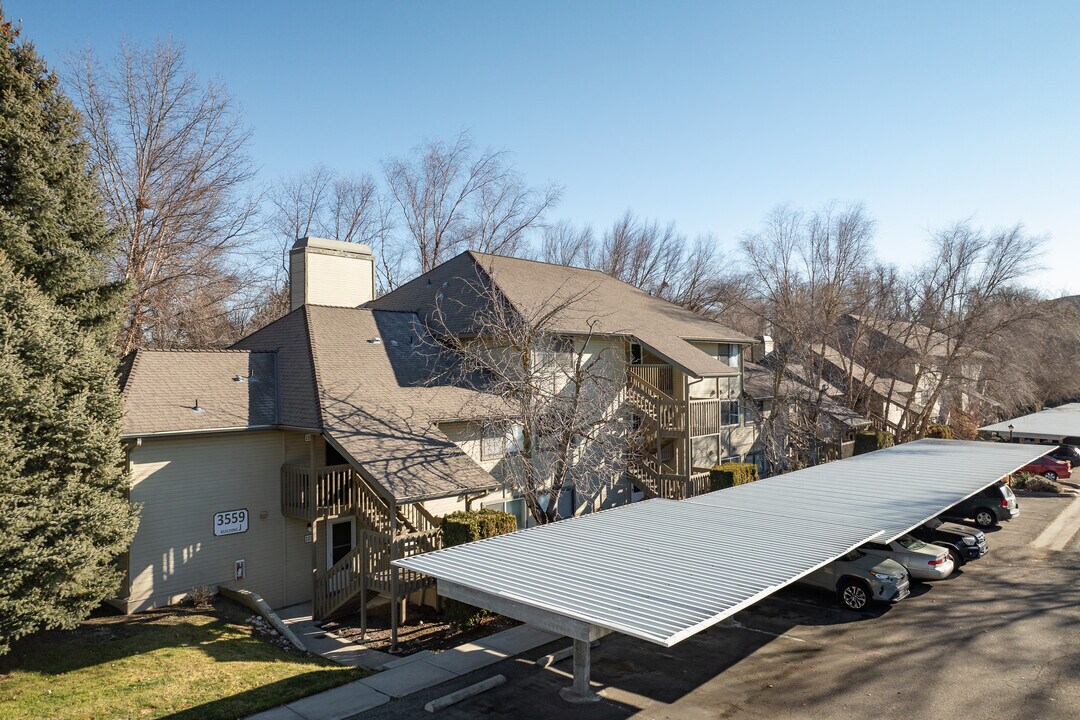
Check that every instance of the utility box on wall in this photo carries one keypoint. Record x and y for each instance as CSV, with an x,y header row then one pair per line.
x,y
240,570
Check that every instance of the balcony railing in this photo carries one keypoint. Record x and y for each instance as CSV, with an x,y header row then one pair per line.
x,y
661,377
333,492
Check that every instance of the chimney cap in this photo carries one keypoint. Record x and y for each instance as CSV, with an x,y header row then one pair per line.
x,y
318,243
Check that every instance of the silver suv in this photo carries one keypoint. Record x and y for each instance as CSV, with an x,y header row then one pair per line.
x,y
857,579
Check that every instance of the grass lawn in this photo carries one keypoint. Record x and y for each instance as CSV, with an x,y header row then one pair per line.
x,y
180,663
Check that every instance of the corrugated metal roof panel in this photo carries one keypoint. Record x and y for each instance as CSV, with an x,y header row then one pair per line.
x,y
1050,424
663,570
894,490
659,570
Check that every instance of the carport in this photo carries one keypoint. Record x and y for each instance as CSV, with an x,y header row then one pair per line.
x,y
663,570
1053,426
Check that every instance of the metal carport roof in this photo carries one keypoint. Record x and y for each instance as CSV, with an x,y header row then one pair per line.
x,y
663,570
892,490
1053,424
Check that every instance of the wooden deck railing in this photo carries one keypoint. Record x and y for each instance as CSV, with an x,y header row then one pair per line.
x,y
666,411
661,377
332,493
663,482
367,567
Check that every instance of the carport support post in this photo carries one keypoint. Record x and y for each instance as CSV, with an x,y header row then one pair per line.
x,y
580,691
581,633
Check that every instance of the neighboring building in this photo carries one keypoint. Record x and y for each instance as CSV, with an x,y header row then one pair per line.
x,y
891,371
300,462
835,424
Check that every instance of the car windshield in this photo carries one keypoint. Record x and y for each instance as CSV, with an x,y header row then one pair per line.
x,y
932,523
910,543
853,555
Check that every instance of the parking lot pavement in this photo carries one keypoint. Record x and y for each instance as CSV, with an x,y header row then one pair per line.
x,y
1001,639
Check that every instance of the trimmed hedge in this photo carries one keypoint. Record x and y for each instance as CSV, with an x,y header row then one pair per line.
x,y
465,526
868,442
938,430
729,474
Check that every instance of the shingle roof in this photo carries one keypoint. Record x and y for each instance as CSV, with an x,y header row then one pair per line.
x,y
288,336
458,287
758,384
377,406
161,388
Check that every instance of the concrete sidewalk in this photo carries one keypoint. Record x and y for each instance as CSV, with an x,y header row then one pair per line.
x,y
407,675
319,642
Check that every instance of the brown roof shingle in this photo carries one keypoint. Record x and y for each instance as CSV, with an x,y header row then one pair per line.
x,y
459,288
234,389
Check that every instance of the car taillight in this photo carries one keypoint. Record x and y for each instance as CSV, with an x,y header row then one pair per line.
x,y
939,560
1004,502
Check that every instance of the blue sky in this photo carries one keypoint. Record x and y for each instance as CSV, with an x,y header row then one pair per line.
x,y
708,114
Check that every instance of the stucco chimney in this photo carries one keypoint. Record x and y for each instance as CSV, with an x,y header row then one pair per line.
x,y
330,272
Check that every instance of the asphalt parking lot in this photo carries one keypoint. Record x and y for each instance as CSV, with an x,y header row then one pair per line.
x,y
1001,639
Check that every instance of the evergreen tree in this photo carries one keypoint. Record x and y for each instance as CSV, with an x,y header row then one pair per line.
x,y
52,226
64,516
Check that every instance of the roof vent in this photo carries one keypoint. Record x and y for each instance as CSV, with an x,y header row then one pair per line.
x,y
239,378
375,341
195,408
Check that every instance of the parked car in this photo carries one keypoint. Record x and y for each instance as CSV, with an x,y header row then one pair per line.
x,y
962,542
987,507
1049,468
858,579
923,561
1066,453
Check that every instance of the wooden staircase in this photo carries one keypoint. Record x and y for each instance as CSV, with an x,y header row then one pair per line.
x,y
385,532
660,416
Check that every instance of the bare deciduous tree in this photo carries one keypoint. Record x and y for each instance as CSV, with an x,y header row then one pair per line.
x,y
560,396
804,269
449,197
953,312
325,203
171,155
563,244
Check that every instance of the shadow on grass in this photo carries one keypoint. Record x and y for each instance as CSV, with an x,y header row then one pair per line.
x,y
264,697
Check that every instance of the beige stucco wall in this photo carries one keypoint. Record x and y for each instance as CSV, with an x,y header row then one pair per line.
x,y
180,484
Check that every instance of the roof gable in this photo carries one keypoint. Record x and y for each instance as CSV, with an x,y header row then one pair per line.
x,y
596,303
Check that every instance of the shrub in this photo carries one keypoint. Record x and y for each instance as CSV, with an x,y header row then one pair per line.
x,y
730,474
938,430
465,526
1034,483
202,596
868,442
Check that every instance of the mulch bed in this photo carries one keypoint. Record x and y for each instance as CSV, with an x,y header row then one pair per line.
x,y
423,629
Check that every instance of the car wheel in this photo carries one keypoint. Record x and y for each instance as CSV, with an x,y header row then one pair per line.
x,y
854,595
985,518
1050,475
957,560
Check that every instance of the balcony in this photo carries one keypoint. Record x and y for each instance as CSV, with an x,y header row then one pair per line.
x,y
333,492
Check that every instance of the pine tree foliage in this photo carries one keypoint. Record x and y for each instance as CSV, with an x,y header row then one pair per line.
x,y
64,515
52,226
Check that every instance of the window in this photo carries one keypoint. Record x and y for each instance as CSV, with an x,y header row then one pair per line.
x,y
515,507
492,444
566,502
910,543
497,443
730,410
